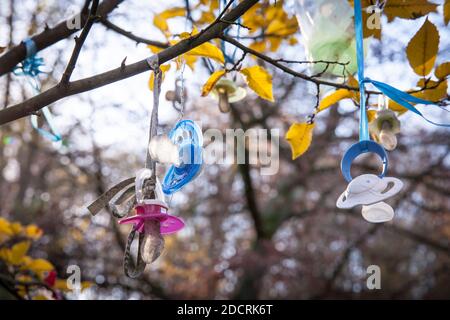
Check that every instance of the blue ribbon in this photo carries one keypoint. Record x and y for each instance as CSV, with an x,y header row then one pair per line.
x,y
30,67
402,98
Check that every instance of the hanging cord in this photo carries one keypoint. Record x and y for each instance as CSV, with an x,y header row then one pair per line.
x,y
363,122
30,67
182,103
402,98
131,269
153,131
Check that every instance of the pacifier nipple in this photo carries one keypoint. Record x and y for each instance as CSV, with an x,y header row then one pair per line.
x,y
164,151
388,140
153,242
378,212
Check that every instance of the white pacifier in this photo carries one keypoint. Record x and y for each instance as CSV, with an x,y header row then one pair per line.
x,y
368,189
378,212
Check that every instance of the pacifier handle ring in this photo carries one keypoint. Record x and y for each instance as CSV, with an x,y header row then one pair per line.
x,y
361,147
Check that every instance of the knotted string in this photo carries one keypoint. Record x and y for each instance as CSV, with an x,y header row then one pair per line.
x,y
402,98
30,67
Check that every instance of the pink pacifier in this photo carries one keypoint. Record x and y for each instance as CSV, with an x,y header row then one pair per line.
x,y
154,210
151,221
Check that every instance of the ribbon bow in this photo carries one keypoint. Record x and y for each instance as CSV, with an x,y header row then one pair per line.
x,y
30,67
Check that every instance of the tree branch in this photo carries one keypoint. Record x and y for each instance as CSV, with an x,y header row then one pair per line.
x,y
50,36
79,41
58,92
108,24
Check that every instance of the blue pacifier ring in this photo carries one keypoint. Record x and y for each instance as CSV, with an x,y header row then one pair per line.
x,y
177,177
361,147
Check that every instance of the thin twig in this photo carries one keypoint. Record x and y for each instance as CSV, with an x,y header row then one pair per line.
x,y
79,43
128,34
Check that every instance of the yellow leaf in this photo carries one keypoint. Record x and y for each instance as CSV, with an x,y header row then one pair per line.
x,y
61,284
207,87
292,41
154,49
259,46
443,70
33,232
206,17
39,266
161,24
18,252
411,9
333,98
371,114
164,68
299,137
260,81
40,297
208,50
423,48
190,61
435,91
16,227
352,82
253,18
160,20
86,284
282,27
5,227
394,106
446,11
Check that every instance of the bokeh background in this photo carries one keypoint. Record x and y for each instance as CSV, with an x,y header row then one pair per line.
x,y
247,235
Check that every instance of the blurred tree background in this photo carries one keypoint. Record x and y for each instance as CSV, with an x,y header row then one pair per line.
x,y
247,235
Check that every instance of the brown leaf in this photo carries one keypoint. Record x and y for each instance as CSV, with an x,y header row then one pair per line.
x,y
446,11
442,71
410,9
423,48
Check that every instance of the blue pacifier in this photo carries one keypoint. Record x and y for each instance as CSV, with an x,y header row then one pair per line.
x,y
187,135
361,147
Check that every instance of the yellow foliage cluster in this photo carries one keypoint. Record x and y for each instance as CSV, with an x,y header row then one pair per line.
x,y
257,78
270,25
33,278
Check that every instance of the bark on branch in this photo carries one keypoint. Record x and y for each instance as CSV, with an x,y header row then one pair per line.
x,y
58,92
50,36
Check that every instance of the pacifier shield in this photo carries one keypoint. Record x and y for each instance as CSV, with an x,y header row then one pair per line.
x,y
378,212
368,189
188,137
154,210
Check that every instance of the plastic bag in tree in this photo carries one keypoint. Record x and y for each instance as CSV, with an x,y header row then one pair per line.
x,y
328,34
